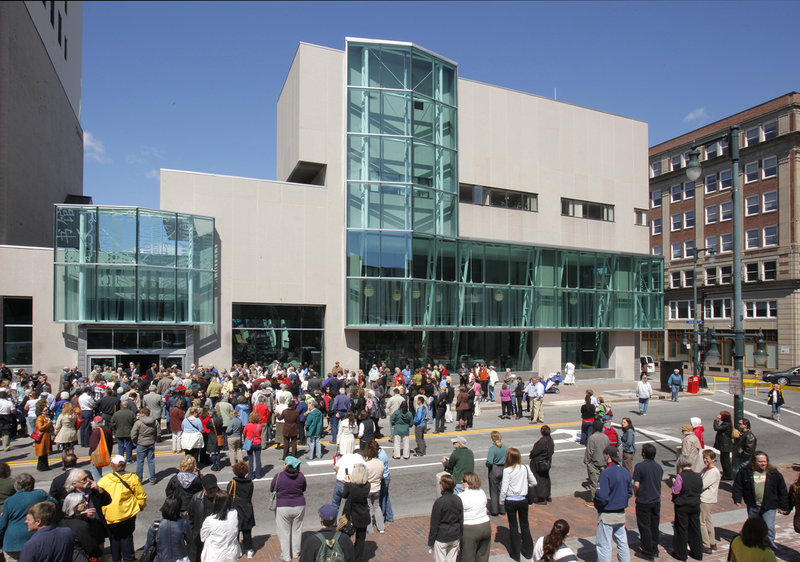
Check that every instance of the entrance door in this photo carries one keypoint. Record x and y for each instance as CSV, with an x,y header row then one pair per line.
x,y
102,362
144,361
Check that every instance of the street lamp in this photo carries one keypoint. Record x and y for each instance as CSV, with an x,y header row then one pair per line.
x,y
699,371
693,172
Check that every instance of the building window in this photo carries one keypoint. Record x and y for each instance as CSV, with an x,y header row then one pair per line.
x,y
655,199
711,214
656,226
761,309
657,251
587,210
688,248
494,197
751,172
688,278
712,150
723,147
770,201
655,169
688,219
752,238
725,179
675,277
675,193
266,332
751,205
769,167
681,310
711,183
677,221
677,250
752,136
688,190
712,243
770,130
726,211
17,348
718,308
726,242
769,271
676,162
711,276
640,217
770,236
725,274
751,272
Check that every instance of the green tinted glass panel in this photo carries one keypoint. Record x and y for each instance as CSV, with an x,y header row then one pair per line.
x,y
445,83
623,275
396,66
471,265
364,111
395,207
116,294
76,233
474,305
447,263
203,243
74,293
156,295
545,267
395,254
423,118
423,258
446,170
521,266
423,164
447,214
363,205
116,235
201,297
623,310
395,303
422,73
355,65
545,308
396,114
157,238
496,264
498,307
395,160
446,134
424,205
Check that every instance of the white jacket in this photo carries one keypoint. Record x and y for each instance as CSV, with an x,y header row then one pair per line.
x,y
516,480
643,390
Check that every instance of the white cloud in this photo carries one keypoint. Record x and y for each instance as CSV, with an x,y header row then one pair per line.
x,y
144,155
153,175
94,148
698,114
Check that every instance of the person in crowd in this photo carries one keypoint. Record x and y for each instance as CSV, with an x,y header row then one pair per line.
x,y
690,448
775,400
348,429
13,530
233,434
647,478
686,489
356,507
215,439
551,547
240,489
603,410
201,506
96,498
6,485
675,383
476,532
708,497
440,406
8,422
697,427
186,483
31,408
628,443
517,478
176,417
643,392
593,457
339,408
752,544
462,409
385,500
401,420
290,486
128,498
86,405
723,442
192,433
45,427
121,424
536,394
763,490
252,444
77,518
614,489
291,419
505,402
745,445
495,463
461,460
145,433
447,522
328,540
420,425
374,476
588,414
171,534
541,459
66,430
220,531
49,542
343,466
313,428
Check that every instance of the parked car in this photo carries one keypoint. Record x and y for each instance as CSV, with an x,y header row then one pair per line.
x,y
789,376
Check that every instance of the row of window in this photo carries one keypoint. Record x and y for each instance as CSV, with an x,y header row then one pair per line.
x,y
494,197
752,136
768,168
754,238
722,275
587,210
753,205
720,309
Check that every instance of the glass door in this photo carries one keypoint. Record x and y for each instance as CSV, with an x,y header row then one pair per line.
x,y
102,362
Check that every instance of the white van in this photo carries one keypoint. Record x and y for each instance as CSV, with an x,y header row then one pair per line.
x,y
648,366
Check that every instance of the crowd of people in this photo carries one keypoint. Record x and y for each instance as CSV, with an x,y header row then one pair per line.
x,y
213,417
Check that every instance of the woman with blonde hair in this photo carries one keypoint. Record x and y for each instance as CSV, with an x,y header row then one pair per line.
x,y
477,531
517,478
495,463
186,483
66,430
356,508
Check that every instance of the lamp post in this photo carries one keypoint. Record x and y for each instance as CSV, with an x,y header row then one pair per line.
x,y
693,171
699,371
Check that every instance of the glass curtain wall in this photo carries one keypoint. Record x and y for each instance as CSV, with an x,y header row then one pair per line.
x,y
117,264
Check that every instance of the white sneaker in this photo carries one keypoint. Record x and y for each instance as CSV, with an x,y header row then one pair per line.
x,y
251,553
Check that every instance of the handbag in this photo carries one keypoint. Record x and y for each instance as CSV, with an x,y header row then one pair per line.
x,y
151,553
220,438
542,466
37,435
346,526
273,497
100,456
735,433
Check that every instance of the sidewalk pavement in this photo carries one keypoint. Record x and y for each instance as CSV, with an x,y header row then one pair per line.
x,y
406,538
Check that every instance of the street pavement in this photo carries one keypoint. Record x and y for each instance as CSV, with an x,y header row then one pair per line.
x,y
413,488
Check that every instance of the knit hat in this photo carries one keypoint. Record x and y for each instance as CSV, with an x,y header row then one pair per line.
x,y
696,422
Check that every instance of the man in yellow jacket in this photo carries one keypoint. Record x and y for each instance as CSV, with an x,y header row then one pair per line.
x,y
127,499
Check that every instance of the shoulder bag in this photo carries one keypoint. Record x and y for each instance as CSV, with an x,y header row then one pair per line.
x,y
273,498
151,553
100,456
345,524
220,437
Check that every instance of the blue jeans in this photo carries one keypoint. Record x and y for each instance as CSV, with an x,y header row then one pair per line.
x,y
125,448
149,452
338,488
769,518
643,402
334,428
386,503
675,390
97,473
314,447
491,392
776,410
604,534
254,458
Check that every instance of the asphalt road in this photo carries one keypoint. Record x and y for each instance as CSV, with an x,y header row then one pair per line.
x,y
412,488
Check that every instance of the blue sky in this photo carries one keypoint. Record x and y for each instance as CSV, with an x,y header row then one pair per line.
x,y
194,85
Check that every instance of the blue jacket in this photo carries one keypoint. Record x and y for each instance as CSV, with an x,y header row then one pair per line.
x,y
172,539
614,488
675,380
340,404
420,418
13,529
49,544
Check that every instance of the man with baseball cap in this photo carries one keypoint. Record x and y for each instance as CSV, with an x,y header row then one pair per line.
x,y
614,489
327,539
460,461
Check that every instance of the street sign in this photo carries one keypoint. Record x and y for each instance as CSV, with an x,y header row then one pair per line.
x,y
735,382
694,321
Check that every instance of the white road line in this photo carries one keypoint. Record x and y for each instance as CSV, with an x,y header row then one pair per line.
x,y
755,417
784,411
660,436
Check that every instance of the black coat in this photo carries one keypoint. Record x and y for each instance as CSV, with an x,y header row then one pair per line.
x,y
356,506
242,501
447,519
542,450
311,544
200,507
723,442
86,540
775,494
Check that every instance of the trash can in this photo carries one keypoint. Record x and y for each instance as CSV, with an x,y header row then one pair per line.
x,y
693,386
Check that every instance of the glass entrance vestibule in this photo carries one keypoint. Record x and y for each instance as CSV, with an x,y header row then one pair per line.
x,y
118,346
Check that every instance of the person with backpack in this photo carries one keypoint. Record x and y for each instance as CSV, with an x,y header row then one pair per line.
x,y
327,544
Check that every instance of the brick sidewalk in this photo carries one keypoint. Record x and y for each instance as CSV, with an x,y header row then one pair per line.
x,y
406,538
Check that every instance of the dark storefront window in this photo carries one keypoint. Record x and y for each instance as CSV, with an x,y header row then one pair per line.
x,y
286,333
